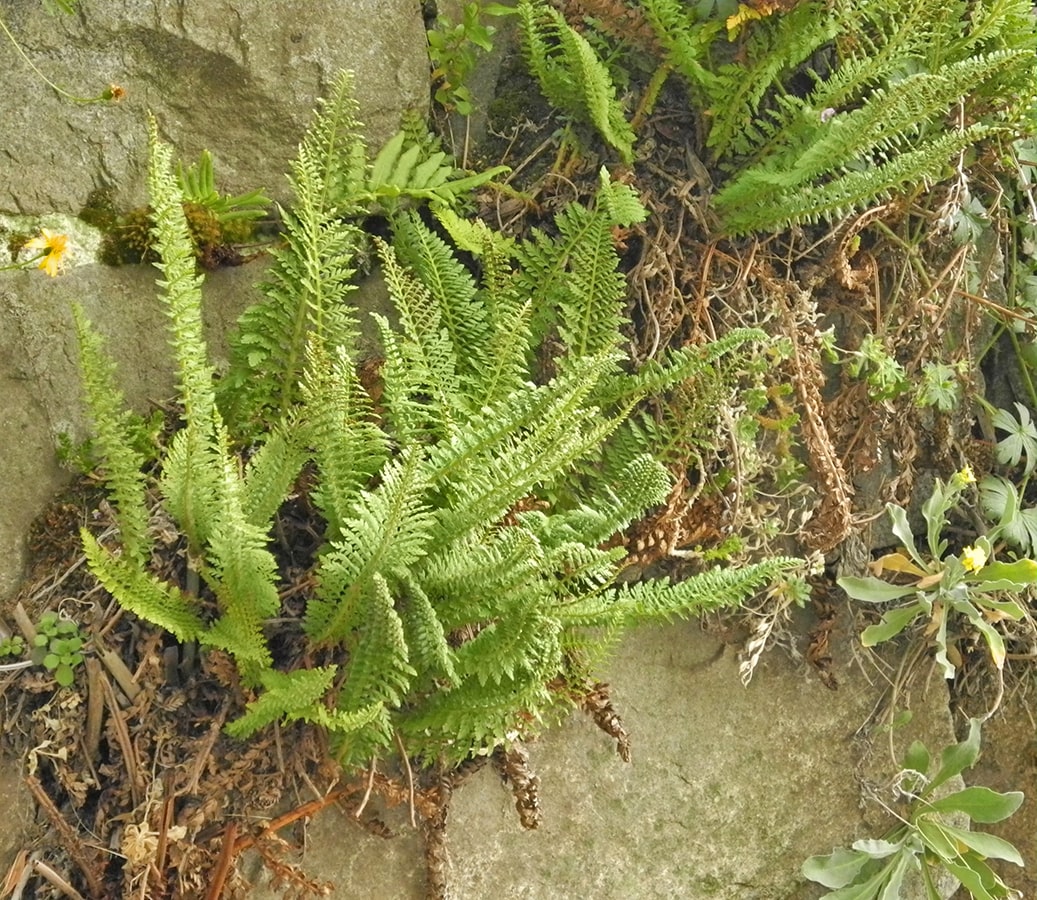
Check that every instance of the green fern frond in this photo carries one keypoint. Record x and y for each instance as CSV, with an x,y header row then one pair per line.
x,y
844,194
507,313
386,530
348,447
426,638
532,438
572,76
242,573
271,471
426,345
661,600
181,285
112,430
298,695
378,672
311,276
452,292
143,594
519,644
472,579
474,719
573,280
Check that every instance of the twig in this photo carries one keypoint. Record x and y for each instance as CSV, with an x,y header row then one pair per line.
x,y
55,879
94,709
76,850
370,785
113,662
410,777
204,752
227,854
122,735
307,810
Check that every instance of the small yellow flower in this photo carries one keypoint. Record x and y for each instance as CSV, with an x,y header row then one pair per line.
x,y
965,476
973,558
52,246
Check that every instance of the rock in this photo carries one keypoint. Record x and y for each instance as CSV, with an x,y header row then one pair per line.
x,y
241,84
730,788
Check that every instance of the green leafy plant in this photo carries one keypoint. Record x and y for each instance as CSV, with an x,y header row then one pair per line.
x,y
58,647
452,48
12,646
464,584
968,583
819,110
930,836
198,185
1002,499
572,76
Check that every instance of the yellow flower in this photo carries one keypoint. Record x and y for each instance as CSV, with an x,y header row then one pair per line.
x,y
965,476
52,246
973,558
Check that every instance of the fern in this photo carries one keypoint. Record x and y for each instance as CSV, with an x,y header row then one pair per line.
x,y
112,424
572,280
871,123
572,76
465,516
311,275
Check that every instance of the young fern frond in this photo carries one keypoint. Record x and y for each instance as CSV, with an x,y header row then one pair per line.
x,y
379,672
506,311
111,426
572,76
572,280
298,695
142,593
311,275
426,345
348,447
451,291
386,530
181,285
241,572
271,471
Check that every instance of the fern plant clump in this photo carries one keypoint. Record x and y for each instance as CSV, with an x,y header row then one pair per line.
x,y
465,583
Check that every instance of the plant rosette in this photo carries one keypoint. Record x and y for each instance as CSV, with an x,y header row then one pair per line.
x,y
969,583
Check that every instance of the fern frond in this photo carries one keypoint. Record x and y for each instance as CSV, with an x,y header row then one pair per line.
x,y
426,344
348,447
661,600
848,193
378,672
111,426
470,580
519,644
271,471
531,438
507,313
181,285
474,719
386,530
426,638
642,483
574,278
572,76
310,278
190,482
143,594
451,290
241,572
286,695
